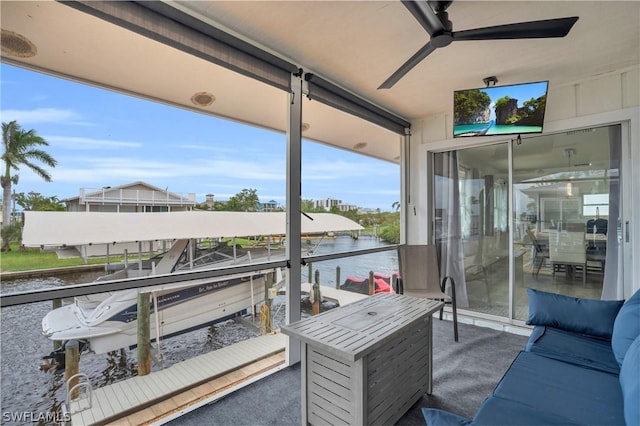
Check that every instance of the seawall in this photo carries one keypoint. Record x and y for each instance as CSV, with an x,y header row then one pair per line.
x,y
37,273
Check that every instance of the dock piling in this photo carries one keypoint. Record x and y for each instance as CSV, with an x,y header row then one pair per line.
x,y
144,335
265,311
372,284
72,365
337,277
316,294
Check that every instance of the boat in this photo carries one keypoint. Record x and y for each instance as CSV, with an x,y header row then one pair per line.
x,y
383,284
108,321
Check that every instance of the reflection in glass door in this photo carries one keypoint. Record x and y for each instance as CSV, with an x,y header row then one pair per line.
x,y
472,228
565,224
566,214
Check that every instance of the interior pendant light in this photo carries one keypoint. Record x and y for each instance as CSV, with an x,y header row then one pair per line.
x,y
569,152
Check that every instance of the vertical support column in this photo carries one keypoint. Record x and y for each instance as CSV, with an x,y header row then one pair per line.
x,y
406,203
55,304
144,335
294,216
107,261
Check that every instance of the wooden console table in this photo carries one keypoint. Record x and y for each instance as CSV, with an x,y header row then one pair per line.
x,y
366,362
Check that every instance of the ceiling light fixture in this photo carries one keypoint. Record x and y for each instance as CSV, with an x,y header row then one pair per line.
x,y
17,45
569,153
203,99
360,145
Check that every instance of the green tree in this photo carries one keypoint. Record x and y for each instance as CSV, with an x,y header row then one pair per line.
x,y
12,232
21,148
469,104
390,233
245,201
35,201
307,206
502,101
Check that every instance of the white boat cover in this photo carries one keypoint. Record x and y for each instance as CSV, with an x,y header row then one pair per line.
x,y
79,228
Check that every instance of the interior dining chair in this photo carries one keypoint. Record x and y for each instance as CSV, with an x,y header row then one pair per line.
x,y
420,277
568,248
541,254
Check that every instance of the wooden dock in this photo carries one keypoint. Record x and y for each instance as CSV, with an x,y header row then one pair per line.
x,y
146,399
341,297
167,393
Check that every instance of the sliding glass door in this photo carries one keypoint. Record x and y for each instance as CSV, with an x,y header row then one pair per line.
x,y
553,226
566,199
472,225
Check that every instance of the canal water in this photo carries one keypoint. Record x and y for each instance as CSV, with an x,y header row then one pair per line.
x,y
30,395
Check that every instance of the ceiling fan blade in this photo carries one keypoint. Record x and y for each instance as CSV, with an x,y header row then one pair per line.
x,y
548,28
424,15
407,66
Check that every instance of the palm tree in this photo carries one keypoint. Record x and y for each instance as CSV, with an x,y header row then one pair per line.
x,y
21,148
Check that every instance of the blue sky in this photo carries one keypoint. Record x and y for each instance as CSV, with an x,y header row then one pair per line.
x,y
521,92
102,138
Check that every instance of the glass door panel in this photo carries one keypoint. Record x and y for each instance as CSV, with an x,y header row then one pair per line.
x,y
472,226
565,211
565,225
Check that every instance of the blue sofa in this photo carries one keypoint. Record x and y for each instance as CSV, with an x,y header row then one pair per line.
x,y
581,366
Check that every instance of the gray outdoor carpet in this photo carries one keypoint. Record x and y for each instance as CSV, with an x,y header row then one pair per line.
x,y
465,373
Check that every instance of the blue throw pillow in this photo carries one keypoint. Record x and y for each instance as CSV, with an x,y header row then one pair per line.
x,y
630,383
587,316
626,327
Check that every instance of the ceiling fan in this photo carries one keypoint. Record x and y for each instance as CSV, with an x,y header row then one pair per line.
x,y
433,17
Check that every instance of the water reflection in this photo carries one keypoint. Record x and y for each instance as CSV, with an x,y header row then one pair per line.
x,y
359,266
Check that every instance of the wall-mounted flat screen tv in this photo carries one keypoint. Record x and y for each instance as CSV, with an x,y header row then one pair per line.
x,y
500,110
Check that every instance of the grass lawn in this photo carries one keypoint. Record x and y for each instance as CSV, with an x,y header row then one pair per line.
x,y
32,258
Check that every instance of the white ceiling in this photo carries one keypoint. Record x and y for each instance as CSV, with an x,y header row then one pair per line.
x,y
355,44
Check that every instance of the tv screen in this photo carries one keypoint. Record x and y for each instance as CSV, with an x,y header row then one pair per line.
x,y
499,110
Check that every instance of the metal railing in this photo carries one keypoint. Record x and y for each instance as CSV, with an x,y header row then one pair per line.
x,y
31,296
135,196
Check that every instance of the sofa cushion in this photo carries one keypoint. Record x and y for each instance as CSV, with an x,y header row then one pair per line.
x,y
437,417
499,411
626,327
577,349
588,316
630,383
580,395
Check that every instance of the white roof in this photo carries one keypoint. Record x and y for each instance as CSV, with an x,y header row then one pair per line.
x,y
78,228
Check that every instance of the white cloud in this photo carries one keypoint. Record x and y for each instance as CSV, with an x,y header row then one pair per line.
x,y
43,115
72,142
